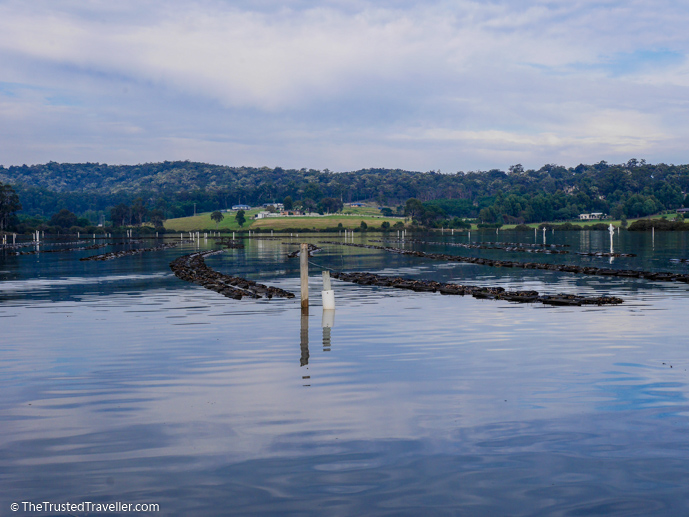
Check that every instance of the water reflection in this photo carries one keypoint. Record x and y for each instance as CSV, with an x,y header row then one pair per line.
x,y
123,383
304,335
327,322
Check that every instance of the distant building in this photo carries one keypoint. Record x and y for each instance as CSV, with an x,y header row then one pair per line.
x,y
262,215
683,210
241,207
356,204
592,215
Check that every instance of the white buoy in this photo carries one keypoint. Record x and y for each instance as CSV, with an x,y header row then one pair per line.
x,y
327,294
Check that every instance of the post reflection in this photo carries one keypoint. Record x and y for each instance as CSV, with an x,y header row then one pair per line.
x,y
304,361
327,322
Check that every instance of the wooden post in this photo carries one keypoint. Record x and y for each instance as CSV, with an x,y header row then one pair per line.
x,y
304,263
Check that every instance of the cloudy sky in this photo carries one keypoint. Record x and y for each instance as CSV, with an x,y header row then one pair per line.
x,y
456,85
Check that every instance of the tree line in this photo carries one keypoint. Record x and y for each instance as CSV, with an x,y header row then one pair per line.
x,y
176,189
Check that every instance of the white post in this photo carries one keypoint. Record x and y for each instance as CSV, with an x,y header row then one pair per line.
x,y
327,294
544,235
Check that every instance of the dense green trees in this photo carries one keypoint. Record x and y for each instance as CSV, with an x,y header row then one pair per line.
x,y
329,205
64,218
9,205
121,215
553,192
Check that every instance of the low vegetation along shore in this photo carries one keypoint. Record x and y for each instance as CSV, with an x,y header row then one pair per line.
x,y
353,222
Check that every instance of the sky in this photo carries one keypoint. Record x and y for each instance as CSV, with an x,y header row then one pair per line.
x,y
343,85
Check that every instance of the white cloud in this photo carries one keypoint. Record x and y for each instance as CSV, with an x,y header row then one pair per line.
x,y
341,82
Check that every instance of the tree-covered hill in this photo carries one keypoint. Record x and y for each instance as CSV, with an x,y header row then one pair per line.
x,y
634,188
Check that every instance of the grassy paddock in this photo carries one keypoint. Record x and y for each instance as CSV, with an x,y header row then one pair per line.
x,y
204,221
614,222
319,223
360,210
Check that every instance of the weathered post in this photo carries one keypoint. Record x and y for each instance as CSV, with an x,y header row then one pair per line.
x,y
304,267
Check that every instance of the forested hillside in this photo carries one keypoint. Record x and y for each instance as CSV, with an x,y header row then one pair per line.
x,y
552,192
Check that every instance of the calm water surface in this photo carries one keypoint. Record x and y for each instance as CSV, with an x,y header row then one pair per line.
x,y
121,382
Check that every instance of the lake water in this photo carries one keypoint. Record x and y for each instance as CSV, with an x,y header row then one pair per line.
x,y
121,382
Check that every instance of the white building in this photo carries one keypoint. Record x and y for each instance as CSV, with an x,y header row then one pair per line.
x,y
592,215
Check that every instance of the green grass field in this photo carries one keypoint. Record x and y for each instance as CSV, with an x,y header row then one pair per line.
x,y
322,222
204,222
361,210
366,214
